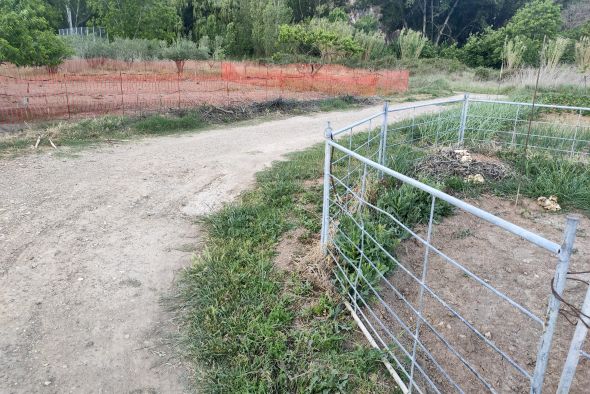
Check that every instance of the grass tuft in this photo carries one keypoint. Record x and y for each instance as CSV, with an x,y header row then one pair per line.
x,y
246,327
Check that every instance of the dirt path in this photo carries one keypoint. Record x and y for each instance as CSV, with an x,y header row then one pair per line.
x,y
89,244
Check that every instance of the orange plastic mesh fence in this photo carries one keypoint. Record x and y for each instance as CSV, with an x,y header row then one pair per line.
x,y
99,86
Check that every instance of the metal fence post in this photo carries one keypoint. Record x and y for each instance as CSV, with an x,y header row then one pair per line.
x,y
383,137
464,112
515,125
326,201
573,356
573,149
558,284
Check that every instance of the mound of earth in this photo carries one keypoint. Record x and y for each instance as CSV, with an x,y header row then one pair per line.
x,y
445,163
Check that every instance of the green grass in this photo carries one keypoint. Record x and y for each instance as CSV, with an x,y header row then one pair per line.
x,y
540,174
536,173
255,328
114,127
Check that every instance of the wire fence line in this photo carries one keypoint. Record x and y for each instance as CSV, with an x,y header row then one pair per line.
x,y
84,31
86,87
397,296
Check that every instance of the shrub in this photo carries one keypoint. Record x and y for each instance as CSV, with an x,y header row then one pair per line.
x,y
26,38
552,52
129,50
411,44
320,38
484,73
373,44
51,51
513,53
367,24
218,48
483,49
183,50
204,44
583,54
450,51
96,49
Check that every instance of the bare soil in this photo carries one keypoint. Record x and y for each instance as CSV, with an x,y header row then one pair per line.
x,y
91,240
510,264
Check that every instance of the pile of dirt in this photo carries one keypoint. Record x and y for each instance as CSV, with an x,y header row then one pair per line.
x,y
445,163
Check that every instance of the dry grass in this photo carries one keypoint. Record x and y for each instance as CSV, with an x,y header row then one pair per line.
x,y
557,77
583,54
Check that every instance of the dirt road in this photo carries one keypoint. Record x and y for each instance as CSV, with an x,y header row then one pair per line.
x,y
91,242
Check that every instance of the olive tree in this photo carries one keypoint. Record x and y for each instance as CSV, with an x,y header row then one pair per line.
x,y
183,50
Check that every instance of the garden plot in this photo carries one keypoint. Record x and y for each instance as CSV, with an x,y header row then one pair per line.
x,y
478,269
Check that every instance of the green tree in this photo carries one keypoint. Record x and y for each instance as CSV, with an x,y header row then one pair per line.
x,y
183,50
367,24
265,32
531,24
150,19
328,41
65,11
26,38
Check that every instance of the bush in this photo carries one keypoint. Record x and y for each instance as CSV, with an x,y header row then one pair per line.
x,y
449,51
484,73
183,50
96,49
320,38
552,51
411,44
531,23
513,53
51,51
128,50
26,38
373,44
483,50
583,54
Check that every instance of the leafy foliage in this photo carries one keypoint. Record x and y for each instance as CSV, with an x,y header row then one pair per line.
x,y
150,19
552,51
411,44
513,52
583,54
328,40
26,38
183,50
530,25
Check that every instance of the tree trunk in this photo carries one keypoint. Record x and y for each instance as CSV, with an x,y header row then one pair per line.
x,y
444,26
431,20
424,4
180,65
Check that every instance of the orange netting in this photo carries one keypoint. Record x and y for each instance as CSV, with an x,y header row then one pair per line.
x,y
331,79
99,86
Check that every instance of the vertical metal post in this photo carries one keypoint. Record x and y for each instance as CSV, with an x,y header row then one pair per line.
x,y
67,97
576,134
362,246
421,293
463,124
514,127
326,202
571,363
437,129
383,137
121,88
178,88
553,308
